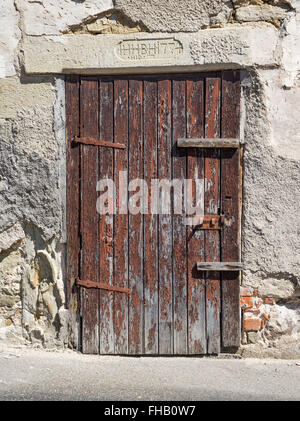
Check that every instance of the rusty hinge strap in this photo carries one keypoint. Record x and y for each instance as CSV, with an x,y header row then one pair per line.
x,y
219,266
101,285
98,142
208,222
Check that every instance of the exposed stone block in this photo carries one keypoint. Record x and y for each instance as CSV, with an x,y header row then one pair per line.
x,y
16,94
7,301
173,15
254,13
11,236
32,186
10,35
269,301
51,17
246,292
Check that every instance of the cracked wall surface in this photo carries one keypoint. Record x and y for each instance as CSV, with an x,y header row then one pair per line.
x,y
32,148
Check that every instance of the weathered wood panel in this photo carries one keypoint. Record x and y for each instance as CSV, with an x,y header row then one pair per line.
x,y
195,238
231,330
120,225
179,228
165,219
220,266
136,234
150,221
106,222
184,142
211,206
89,217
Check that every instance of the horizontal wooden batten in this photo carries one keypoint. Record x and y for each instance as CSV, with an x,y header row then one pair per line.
x,y
220,266
101,285
208,143
98,142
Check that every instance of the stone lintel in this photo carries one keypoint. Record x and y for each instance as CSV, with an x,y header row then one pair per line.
x,y
212,49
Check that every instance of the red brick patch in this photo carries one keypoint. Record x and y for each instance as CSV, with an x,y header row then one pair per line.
x,y
252,324
246,302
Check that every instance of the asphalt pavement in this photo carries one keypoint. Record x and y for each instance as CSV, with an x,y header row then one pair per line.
x,y
29,374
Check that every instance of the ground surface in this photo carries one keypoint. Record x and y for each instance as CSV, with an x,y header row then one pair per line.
x,y
39,375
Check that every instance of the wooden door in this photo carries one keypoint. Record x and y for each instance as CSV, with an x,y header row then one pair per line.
x,y
139,287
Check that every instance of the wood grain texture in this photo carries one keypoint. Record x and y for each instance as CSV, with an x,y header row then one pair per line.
x,y
231,327
106,222
220,266
195,239
121,276
184,142
150,221
89,217
136,234
211,206
179,228
165,220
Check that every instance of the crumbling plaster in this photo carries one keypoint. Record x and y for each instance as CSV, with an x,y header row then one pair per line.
x,y
32,154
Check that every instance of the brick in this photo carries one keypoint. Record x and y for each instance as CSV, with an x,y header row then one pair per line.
x,y
252,324
246,302
252,310
269,300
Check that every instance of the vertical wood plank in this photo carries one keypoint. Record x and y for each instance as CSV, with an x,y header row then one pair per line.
x,y
120,220
211,206
73,204
231,330
106,267
165,220
136,235
150,221
89,216
195,239
179,228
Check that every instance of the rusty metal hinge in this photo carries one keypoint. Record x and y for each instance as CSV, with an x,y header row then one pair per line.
x,y
101,285
98,142
209,222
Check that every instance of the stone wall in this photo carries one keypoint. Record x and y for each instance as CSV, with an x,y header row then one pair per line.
x,y
262,37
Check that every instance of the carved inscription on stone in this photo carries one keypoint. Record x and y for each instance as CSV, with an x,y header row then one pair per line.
x,y
149,49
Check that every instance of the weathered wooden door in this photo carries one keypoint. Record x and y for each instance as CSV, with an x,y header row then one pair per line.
x,y
137,277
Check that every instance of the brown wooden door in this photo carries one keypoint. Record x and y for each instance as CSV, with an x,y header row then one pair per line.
x,y
172,308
